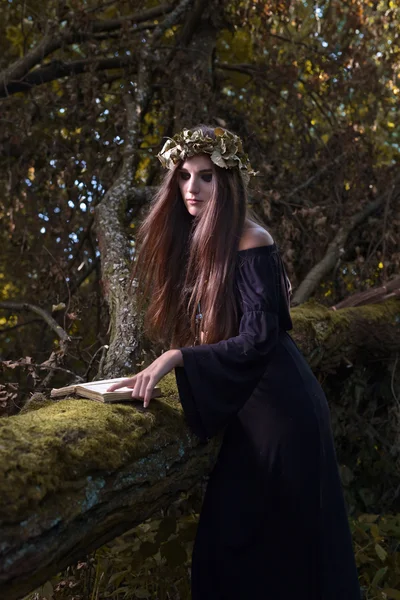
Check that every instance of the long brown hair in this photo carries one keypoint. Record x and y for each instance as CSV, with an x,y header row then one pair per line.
x,y
183,260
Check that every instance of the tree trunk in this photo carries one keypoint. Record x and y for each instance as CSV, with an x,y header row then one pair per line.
x,y
197,41
75,474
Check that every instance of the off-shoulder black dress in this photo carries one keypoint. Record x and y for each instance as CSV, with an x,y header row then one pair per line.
x,y
273,524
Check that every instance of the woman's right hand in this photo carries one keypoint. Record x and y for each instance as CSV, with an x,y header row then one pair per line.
x,y
143,383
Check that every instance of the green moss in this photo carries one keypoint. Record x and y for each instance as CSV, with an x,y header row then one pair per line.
x,y
44,450
35,402
323,322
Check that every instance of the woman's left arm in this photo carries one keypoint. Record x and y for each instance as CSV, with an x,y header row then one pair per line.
x,y
143,383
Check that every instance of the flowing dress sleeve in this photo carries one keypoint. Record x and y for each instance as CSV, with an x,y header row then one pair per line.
x,y
217,379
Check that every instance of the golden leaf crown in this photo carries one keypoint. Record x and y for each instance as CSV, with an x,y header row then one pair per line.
x,y
225,149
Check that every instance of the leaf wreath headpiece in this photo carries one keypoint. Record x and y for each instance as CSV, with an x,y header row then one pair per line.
x,y
225,149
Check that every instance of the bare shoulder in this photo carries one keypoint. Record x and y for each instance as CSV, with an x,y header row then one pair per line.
x,y
254,237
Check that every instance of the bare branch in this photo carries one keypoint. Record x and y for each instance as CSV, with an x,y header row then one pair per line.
x,y
146,15
57,69
371,296
90,365
324,266
310,48
246,68
25,363
100,7
117,34
44,367
138,197
46,316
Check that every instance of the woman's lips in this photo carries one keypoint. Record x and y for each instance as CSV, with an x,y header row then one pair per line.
x,y
193,201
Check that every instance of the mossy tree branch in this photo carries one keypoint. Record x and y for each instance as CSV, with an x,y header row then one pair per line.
x,y
75,474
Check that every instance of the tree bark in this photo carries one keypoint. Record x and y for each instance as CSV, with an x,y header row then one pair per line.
x,y
114,249
75,474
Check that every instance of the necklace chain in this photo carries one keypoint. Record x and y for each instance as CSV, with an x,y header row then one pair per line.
x,y
199,318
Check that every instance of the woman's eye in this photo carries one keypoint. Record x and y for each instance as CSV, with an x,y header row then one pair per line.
x,y
207,177
184,176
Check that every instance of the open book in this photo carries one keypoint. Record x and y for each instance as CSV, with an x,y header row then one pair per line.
x,y
97,390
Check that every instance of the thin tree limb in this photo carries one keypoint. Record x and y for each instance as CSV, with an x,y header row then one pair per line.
x,y
324,266
247,69
82,241
46,316
371,296
22,66
146,15
57,69
77,284
52,368
117,34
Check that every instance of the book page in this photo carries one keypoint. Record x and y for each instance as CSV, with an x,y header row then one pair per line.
x,y
101,387
98,385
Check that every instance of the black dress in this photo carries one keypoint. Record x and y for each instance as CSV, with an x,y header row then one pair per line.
x,y
273,524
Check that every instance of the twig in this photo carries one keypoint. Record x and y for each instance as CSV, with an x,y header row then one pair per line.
x,y
76,285
101,349
296,43
102,362
84,236
43,367
68,302
392,380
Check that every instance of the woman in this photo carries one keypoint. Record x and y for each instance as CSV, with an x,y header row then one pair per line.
x,y
273,524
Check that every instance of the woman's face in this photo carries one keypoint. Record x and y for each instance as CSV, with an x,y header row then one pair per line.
x,y
195,178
